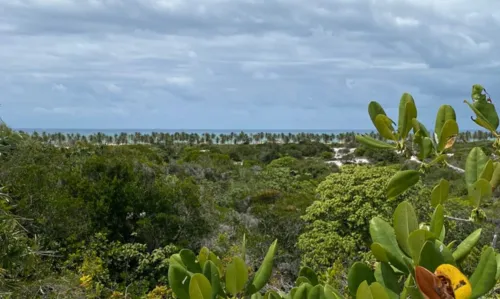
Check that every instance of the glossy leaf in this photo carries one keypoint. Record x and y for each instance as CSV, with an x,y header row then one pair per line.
x,y
474,165
484,277
379,252
495,177
464,248
385,275
435,253
480,118
203,256
449,131
373,143
437,221
445,113
383,234
419,127
401,182
425,148
374,109
236,276
358,273
316,292
302,291
416,242
211,272
264,273
487,172
179,279
189,259
407,112
383,126
309,274
199,287
440,193
404,222
478,191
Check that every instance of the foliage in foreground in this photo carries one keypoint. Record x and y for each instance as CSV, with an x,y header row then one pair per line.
x,y
412,260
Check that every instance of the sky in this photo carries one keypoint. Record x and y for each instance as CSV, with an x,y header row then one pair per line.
x,y
241,64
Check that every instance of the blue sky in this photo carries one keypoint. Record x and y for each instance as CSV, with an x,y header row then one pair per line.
x,y
240,64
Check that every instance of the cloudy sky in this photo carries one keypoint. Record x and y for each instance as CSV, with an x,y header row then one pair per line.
x,y
240,64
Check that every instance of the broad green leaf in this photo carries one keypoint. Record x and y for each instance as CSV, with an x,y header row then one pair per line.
x,y
302,291
203,256
176,259
300,280
363,291
484,277
189,259
478,191
419,127
488,111
416,242
374,109
425,148
474,165
383,126
264,273
445,113
199,287
272,295
358,273
481,119
440,193
316,292
256,296
401,182
373,143
309,274
435,253
407,112
442,235
179,279
383,233
385,275
410,114
379,252
378,291
236,276
211,272
464,248
487,173
497,277
448,135
437,221
495,178
331,293
404,222
216,260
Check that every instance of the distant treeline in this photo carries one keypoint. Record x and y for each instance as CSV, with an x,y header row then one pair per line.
x,y
212,138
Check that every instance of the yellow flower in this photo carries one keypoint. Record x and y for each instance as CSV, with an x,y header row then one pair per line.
x,y
447,282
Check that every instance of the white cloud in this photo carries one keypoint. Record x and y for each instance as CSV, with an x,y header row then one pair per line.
x,y
205,58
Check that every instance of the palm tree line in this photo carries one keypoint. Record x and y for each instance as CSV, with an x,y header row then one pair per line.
x,y
212,138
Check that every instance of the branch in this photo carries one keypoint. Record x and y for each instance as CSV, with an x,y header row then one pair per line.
x,y
457,219
457,169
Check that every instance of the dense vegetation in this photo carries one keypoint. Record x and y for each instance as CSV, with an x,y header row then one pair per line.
x,y
104,216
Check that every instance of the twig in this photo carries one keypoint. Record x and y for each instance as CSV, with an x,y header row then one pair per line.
x,y
457,169
457,219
